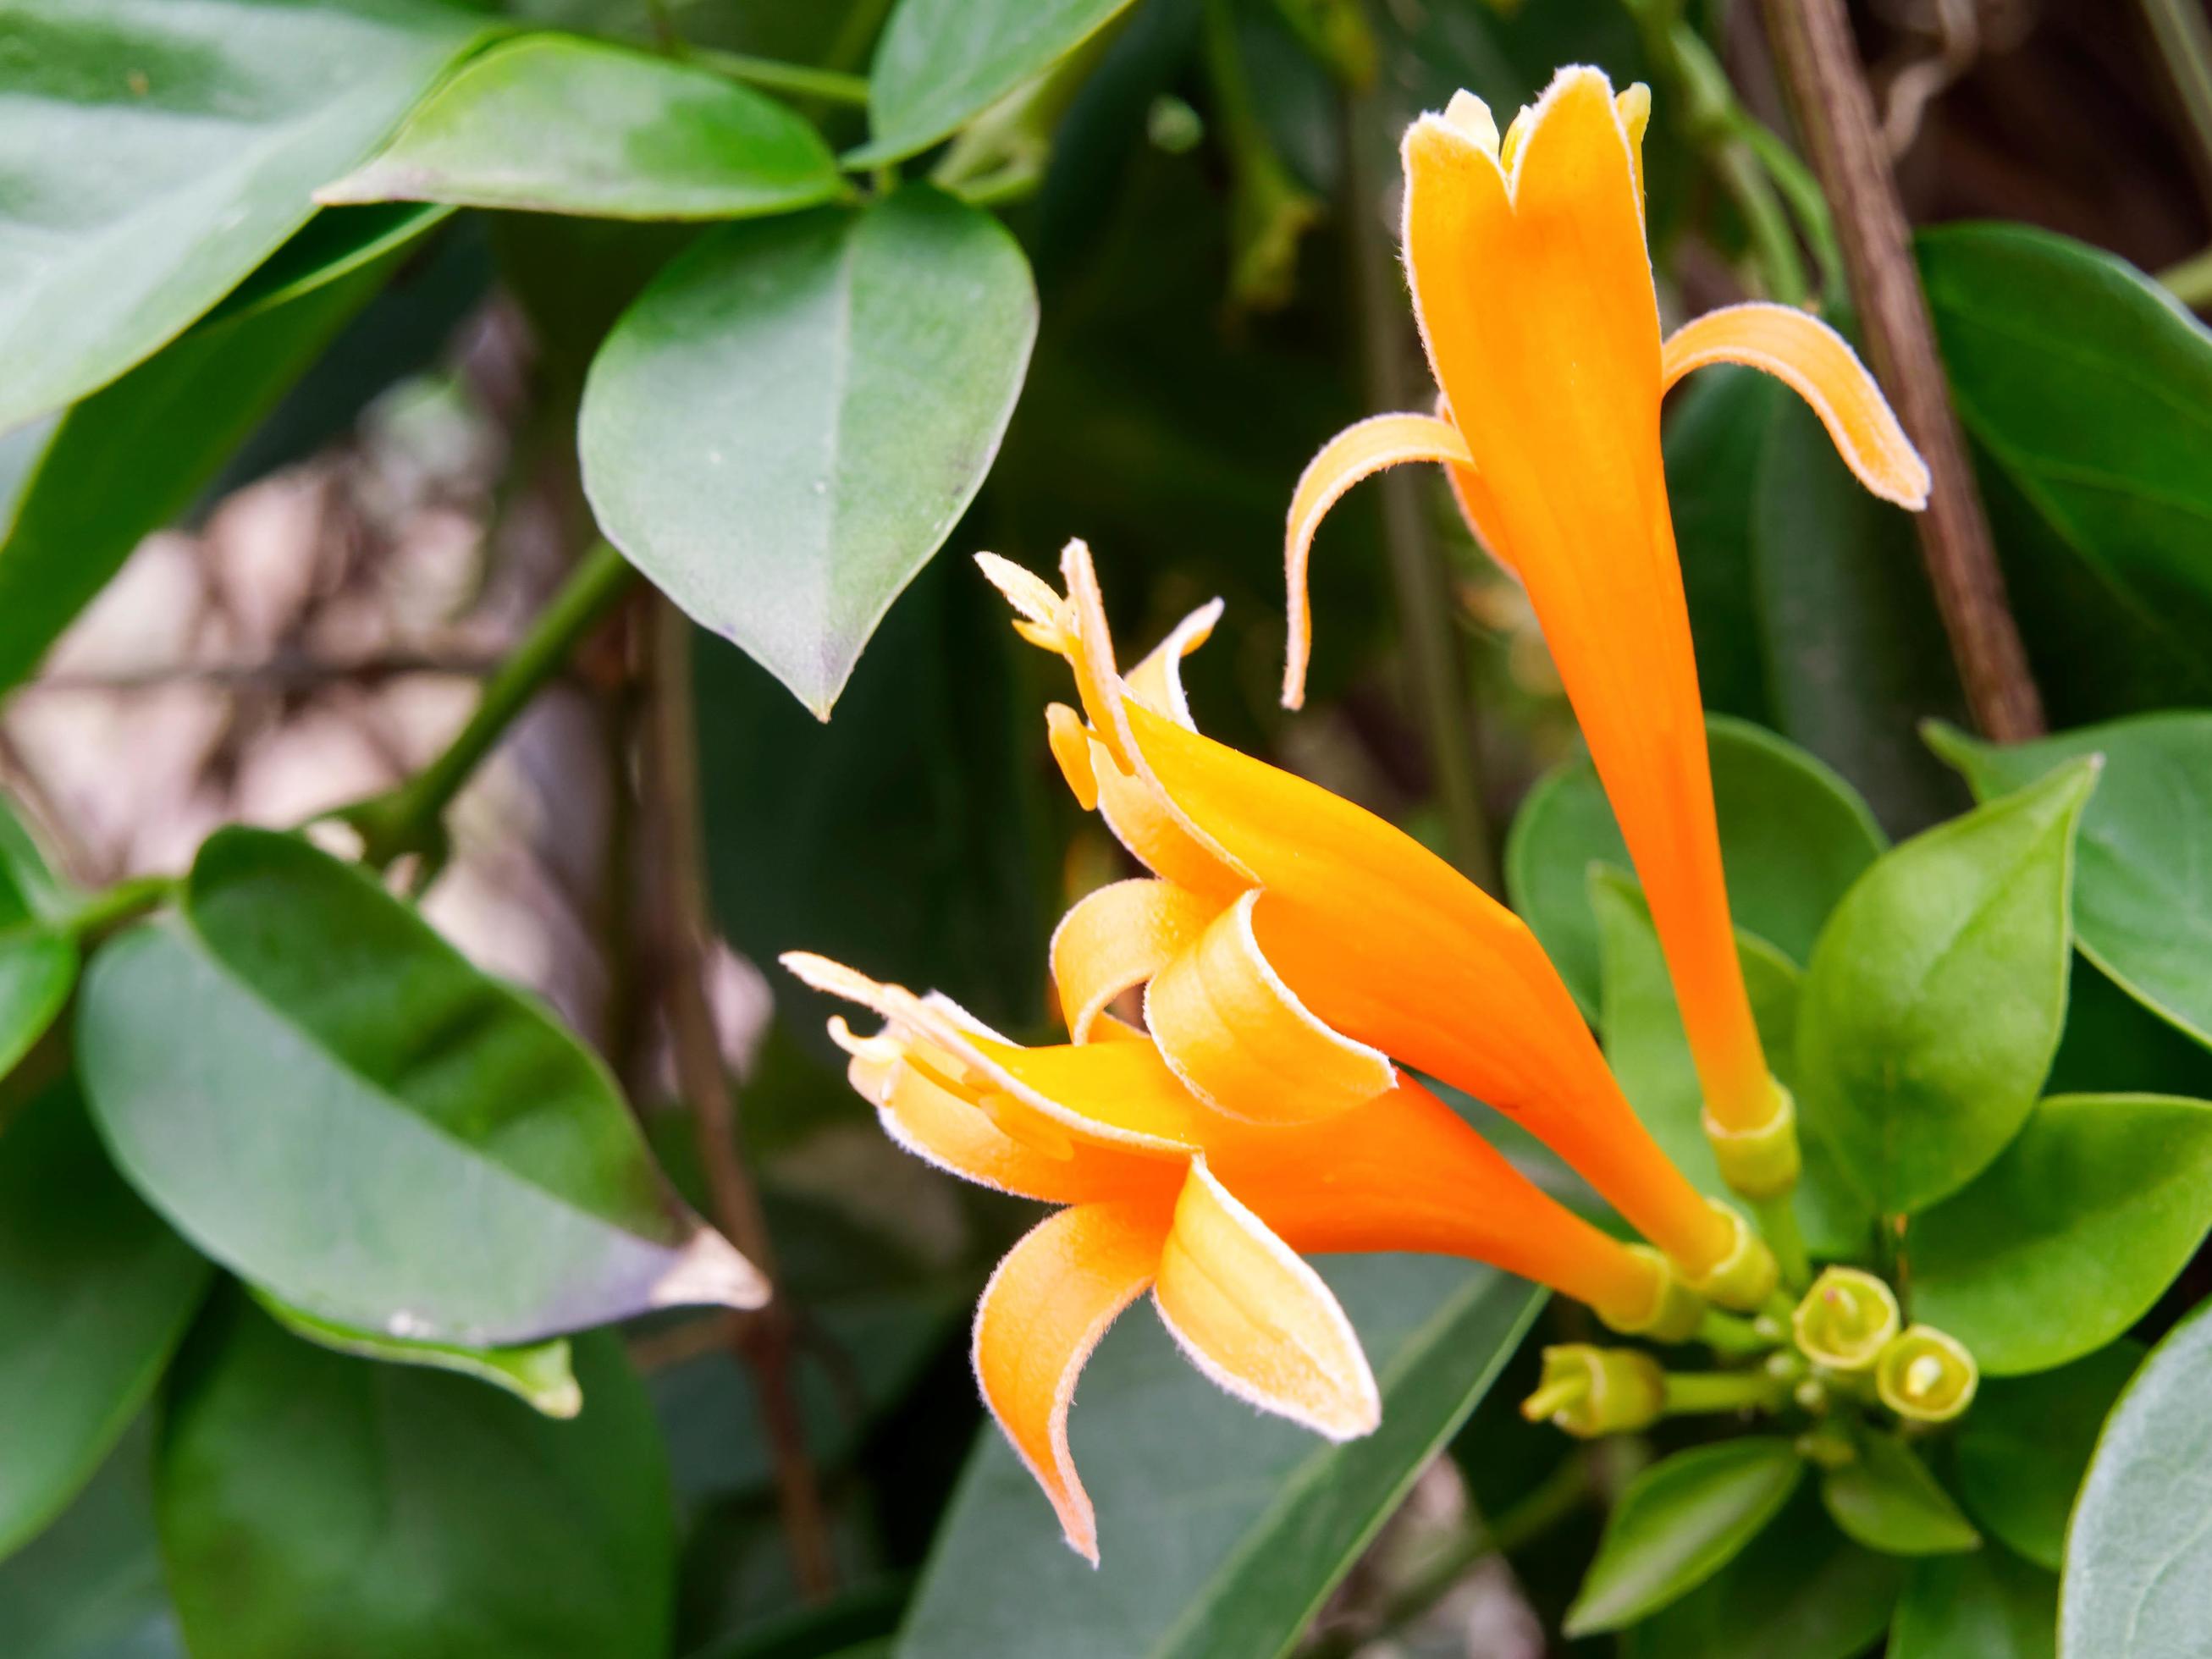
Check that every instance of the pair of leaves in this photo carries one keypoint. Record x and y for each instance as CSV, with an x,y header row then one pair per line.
x,y
324,1097
1223,1531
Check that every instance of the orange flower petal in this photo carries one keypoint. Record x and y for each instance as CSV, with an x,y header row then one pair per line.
x,y
1157,682
1387,943
1257,1320
1241,1040
1359,452
1819,365
1044,1311
1118,938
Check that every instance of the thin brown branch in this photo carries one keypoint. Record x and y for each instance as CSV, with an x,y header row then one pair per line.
x,y
766,1339
1820,64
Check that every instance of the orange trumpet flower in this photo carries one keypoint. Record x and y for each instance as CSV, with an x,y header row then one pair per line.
x,y
1212,1214
1533,286
1294,946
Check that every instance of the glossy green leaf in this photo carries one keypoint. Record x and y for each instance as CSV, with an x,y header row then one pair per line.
x,y
136,454
1794,836
2142,899
541,1374
1887,1499
335,243
2089,393
1990,1605
1936,995
1800,1590
329,1100
311,1503
940,63
1222,1530
2072,1235
2138,1579
94,1294
1715,434
1650,1052
787,423
1680,1521
2026,1442
2113,1045
157,152
556,124
89,1586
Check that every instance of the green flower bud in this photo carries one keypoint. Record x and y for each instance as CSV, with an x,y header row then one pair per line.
x,y
1846,1319
1590,1391
1925,1376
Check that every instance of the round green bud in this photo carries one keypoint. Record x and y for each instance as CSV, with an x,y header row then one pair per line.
x,y
1590,1391
1846,1319
1926,1376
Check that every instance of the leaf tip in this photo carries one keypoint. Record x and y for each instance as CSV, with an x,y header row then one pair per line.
x,y
708,1270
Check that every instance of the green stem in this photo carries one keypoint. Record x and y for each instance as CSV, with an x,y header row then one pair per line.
x,y
1695,1394
112,907
1777,1225
801,80
1730,1337
1802,192
409,818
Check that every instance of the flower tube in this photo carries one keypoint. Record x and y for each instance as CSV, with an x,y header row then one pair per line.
x,y
1532,288
1295,948
1212,1214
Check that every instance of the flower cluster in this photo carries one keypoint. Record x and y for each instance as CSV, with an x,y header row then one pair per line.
x,y
1299,957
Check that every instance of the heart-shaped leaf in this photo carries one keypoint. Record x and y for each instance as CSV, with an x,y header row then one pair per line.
x,y
2026,1443
94,1294
1679,1523
556,124
939,63
1265,1518
1886,1499
2071,1235
1794,836
329,1100
1988,1605
1936,995
2138,1580
1650,1052
2089,393
2142,899
158,153
787,423
310,1504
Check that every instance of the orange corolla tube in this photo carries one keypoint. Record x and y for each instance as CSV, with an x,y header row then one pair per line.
x,y
1294,948
1211,1213
1533,286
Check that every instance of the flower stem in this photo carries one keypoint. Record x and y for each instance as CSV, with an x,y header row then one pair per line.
x,y
112,907
1697,1394
2184,41
1777,1225
2190,282
831,86
1730,1336
409,819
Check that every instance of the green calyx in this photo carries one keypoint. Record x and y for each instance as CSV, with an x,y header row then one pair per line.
x,y
1926,1376
1746,1277
1675,1313
1590,1391
1846,1320
1762,1163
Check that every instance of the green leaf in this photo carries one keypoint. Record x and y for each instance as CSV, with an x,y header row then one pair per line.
x,y
2072,1235
1887,1500
1934,999
310,1504
1680,1521
335,243
1650,1052
940,63
2138,1579
90,1586
1223,1531
329,1100
2026,1444
1794,836
156,154
1801,1589
1991,1605
94,1294
788,423
2142,900
2089,393
1716,434
135,454
557,124
540,1375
